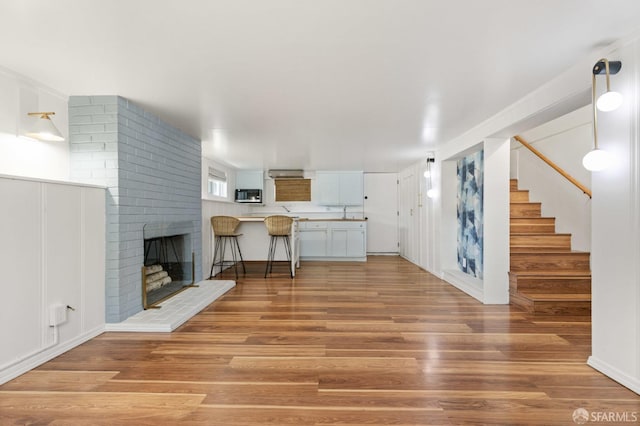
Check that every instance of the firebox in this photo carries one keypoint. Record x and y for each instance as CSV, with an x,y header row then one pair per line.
x,y
169,264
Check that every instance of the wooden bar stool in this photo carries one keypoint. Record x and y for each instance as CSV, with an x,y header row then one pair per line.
x,y
224,230
278,227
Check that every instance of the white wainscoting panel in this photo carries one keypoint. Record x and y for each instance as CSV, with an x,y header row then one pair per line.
x,y
53,253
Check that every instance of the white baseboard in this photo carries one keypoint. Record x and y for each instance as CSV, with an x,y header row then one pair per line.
x,y
633,383
383,253
333,259
44,356
470,285
157,320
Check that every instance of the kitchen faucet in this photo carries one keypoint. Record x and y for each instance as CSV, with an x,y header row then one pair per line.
x,y
344,212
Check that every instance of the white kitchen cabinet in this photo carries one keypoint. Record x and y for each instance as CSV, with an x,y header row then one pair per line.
x,y
339,188
327,188
348,239
313,239
249,179
351,189
333,240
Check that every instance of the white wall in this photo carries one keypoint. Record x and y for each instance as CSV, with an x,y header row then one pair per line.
x,y
21,156
214,206
615,258
495,285
615,253
437,226
56,255
563,94
564,141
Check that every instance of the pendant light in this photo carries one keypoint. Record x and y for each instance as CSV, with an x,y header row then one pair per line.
x,y
597,159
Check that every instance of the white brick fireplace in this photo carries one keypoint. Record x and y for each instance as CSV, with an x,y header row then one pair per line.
x,y
152,172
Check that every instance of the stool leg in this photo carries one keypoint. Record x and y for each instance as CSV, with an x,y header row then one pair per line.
x,y
240,253
224,249
216,245
233,256
266,271
287,244
273,253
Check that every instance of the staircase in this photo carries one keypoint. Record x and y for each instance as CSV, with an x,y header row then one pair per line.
x,y
546,277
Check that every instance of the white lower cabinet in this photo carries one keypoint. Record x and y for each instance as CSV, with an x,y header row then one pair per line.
x,y
335,240
313,239
347,242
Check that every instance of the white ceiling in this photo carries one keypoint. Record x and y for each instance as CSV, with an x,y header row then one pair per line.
x,y
313,84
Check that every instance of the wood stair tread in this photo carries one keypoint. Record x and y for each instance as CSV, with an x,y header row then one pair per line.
x,y
546,276
520,249
519,195
547,252
561,297
552,274
543,219
539,218
539,224
555,251
534,249
536,234
536,241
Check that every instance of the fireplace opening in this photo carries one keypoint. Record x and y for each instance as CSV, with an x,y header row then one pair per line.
x,y
168,261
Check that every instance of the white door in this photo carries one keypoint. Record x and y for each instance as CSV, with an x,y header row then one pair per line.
x,y
408,224
381,211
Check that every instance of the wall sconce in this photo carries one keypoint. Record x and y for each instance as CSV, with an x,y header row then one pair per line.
x,y
427,174
44,129
597,159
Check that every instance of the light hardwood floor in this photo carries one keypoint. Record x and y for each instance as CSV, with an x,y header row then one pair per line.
x,y
381,342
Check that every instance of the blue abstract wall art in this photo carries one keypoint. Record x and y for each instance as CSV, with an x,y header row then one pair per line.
x,y
470,171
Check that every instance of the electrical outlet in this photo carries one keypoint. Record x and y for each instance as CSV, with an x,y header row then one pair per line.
x,y
57,314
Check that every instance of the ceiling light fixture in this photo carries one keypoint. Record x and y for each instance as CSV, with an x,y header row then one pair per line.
x,y
44,129
597,159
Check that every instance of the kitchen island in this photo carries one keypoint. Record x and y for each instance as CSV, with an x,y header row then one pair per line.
x,y
330,239
255,239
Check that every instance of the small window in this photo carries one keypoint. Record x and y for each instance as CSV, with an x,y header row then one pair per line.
x,y
217,183
293,189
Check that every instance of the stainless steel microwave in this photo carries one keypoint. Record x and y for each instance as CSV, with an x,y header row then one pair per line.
x,y
249,196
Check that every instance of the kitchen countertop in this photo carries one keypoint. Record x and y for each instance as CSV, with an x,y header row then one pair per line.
x,y
252,218
332,220
261,219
